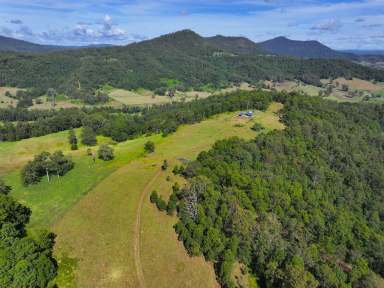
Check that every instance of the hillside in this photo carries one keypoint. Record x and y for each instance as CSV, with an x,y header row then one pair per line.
x,y
236,45
279,204
305,49
184,57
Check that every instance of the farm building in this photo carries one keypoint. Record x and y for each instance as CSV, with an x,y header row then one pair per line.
x,y
246,114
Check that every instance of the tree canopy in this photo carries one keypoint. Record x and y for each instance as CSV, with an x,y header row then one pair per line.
x,y
300,207
24,261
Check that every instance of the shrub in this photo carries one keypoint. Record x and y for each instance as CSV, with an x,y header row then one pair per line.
x,y
72,139
88,137
105,153
257,127
149,147
165,165
156,199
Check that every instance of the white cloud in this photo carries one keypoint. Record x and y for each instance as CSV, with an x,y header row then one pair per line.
x,y
105,31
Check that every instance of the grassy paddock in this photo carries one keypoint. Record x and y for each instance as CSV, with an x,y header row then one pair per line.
x,y
13,155
99,231
93,208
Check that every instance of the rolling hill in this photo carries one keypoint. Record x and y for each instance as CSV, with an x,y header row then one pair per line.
x,y
305,49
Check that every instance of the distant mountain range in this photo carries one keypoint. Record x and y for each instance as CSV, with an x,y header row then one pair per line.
x,y
281,46
16,45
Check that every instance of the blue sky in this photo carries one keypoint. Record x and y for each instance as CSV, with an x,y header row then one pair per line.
x,y
341,24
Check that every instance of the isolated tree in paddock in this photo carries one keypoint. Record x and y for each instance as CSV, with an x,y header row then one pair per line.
x,y
105,153
149,147
165,165
46,164
88,136
72,139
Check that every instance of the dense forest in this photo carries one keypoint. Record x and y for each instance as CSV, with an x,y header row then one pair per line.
x,y
24,261
301,207
184,56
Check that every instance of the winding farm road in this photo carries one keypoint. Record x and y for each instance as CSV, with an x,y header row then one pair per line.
x,y
137,230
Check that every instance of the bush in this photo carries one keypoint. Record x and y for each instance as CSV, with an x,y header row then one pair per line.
x,y
149,147
165,165
172,204
161,91
257,127
89,152
72,139
156,199
88,137
4,189
105,153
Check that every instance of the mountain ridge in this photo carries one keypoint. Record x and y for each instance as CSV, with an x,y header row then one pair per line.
x,y
239,45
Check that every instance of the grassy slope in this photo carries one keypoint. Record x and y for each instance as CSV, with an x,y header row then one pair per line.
x,y
146,97
95,232
105,252
13,155
49,201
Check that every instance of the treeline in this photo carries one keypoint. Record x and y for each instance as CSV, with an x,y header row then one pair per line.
x,y
167,118
183,56
22,123
25,261
130,122
300,207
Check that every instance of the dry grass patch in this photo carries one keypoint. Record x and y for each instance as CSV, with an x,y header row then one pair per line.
x,y
133,98
7,101
359,84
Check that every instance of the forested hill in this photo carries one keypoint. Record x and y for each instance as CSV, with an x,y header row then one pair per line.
x,y
183,56
305,49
